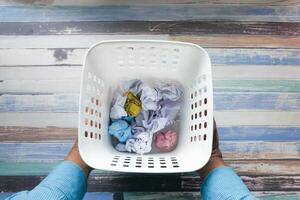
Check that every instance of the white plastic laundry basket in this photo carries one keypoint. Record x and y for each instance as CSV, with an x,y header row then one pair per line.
x,y
109,62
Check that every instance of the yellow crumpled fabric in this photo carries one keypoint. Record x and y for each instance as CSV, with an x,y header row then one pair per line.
x,y
133,105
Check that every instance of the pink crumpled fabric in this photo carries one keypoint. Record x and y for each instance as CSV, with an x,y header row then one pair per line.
x,y
165,140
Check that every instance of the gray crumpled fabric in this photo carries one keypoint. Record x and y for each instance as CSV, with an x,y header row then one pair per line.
x,y
161,103
166,112
150,97
140,143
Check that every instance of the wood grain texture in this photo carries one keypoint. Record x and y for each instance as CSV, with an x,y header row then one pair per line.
x,y
233,133
72,86
148,27
265,195
156,2
68,41
256,72
210,40
258,167
36,134
224,118
69,56
244,101
179,12
220,72
163,183
256,86
234,151
240,40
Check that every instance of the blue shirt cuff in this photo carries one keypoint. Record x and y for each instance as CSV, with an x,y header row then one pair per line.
x,y
66,181
69,178
224,183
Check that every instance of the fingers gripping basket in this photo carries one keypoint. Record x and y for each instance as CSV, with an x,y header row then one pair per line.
x,y
109,62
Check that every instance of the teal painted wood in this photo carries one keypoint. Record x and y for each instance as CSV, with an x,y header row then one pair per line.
x,y
222,101
254,56
87,196
50,152
72,86
98,196
149,12
229,56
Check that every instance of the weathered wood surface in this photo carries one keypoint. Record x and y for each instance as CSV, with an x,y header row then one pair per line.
x,y
224,118
204,40
235,133
255,55
146,27
150,13
221,72
72,86
70,56
234,151
69,103
174,182
265,195
137,2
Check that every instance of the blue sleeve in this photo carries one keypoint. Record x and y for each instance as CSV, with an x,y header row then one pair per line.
x,y
224,183
66,181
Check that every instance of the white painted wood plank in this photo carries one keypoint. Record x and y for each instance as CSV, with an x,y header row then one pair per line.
x,y
40,86
67,120
72,73
70,56
41,56
66,41
223,118
220,72
265,72
257,118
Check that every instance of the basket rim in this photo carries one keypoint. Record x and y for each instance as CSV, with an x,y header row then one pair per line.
x,y
143,40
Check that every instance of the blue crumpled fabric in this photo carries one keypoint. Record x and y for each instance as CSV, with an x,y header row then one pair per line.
x,y
121,130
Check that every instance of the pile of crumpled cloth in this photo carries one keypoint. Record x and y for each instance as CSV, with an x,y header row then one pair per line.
x,y
142,113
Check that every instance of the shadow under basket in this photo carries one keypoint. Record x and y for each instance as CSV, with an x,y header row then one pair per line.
x,y
109,62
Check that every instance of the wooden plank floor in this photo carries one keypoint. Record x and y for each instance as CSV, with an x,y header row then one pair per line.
x,y
255,51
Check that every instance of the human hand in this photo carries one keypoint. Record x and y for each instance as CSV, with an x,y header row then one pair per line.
x,y
216,159
75,157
